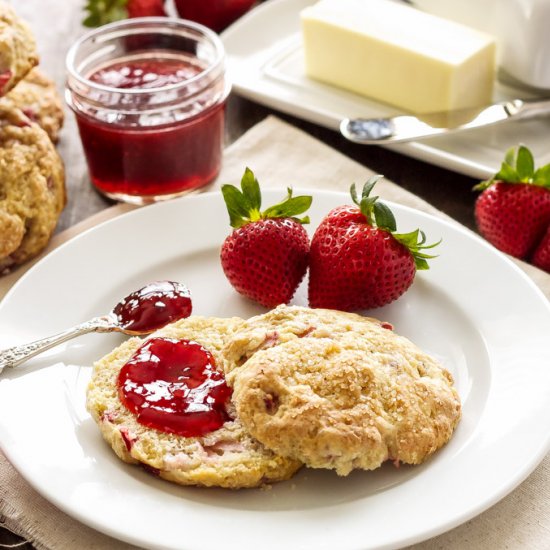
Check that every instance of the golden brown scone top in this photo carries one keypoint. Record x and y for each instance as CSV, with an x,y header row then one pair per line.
x,y
32,188
18,54
285,323
37,96
349,399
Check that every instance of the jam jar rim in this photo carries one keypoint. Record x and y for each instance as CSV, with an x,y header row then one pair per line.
x,y
218,64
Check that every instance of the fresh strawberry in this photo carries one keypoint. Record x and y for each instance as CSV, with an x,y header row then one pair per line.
x,y
266,256
216,14
101,12
358,261
145,8
541,256
513,210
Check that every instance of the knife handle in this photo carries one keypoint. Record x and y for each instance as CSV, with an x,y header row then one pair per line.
x,y
530,108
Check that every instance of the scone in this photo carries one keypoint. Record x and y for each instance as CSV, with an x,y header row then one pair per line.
x,y
286,323
346,397
36,95
226,457
32,188
18,53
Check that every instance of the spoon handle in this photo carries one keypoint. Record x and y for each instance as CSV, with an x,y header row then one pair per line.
x,y
14,356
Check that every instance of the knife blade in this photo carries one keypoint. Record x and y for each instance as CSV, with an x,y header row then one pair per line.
x,y
402,128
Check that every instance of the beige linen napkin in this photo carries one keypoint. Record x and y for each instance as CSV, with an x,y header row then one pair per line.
x,y
282,155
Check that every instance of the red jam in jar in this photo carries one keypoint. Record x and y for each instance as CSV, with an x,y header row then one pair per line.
x,y
149,97
173,386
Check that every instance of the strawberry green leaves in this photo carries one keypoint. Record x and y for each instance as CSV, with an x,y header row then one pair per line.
x,y
378,214
519,167
101,12
244,205
414,241
525,163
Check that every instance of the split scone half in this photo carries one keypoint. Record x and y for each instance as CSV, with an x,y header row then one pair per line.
x,y
227,457
339,391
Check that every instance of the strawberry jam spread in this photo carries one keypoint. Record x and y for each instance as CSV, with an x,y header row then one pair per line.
x,y
154,306
173,386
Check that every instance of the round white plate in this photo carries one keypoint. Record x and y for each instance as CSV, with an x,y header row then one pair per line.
x,y
473,309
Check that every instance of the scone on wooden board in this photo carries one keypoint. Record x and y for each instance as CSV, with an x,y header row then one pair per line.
x,y
339,391
18,54
32,188
226,457
37,96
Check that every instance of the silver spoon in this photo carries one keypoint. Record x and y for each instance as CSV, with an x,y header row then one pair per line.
x,y
399,129
141,312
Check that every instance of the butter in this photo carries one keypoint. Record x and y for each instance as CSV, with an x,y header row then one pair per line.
x,y
399,55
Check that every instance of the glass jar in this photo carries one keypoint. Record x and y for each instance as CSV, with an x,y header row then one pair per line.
x,y
149,98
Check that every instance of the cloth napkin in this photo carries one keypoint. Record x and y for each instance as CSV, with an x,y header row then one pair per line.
x,y
281,155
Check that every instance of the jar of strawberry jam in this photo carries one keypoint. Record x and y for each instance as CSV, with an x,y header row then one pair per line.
x,y
149,98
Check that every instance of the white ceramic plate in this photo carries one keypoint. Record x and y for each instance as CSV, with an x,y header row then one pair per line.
x,y
265,64
474,310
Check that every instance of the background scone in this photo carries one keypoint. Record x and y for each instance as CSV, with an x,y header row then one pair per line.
x,y
37,96
350,399
18,53
228,457
32,188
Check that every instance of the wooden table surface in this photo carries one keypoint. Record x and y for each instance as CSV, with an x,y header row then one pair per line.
x,y
448,191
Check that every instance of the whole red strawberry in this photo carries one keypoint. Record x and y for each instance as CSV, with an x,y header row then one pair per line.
x,y
100,12
358,261
266,256
513,210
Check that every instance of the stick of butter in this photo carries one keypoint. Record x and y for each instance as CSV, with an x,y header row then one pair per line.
x,y
399,55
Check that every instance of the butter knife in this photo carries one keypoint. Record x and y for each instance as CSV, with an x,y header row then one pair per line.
x,y
403,128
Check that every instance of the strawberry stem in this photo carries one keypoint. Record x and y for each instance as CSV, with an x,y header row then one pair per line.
x,y
244,205
379,214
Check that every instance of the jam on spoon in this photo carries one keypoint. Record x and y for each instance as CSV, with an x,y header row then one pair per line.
x,y
141,312
173,386
153,306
